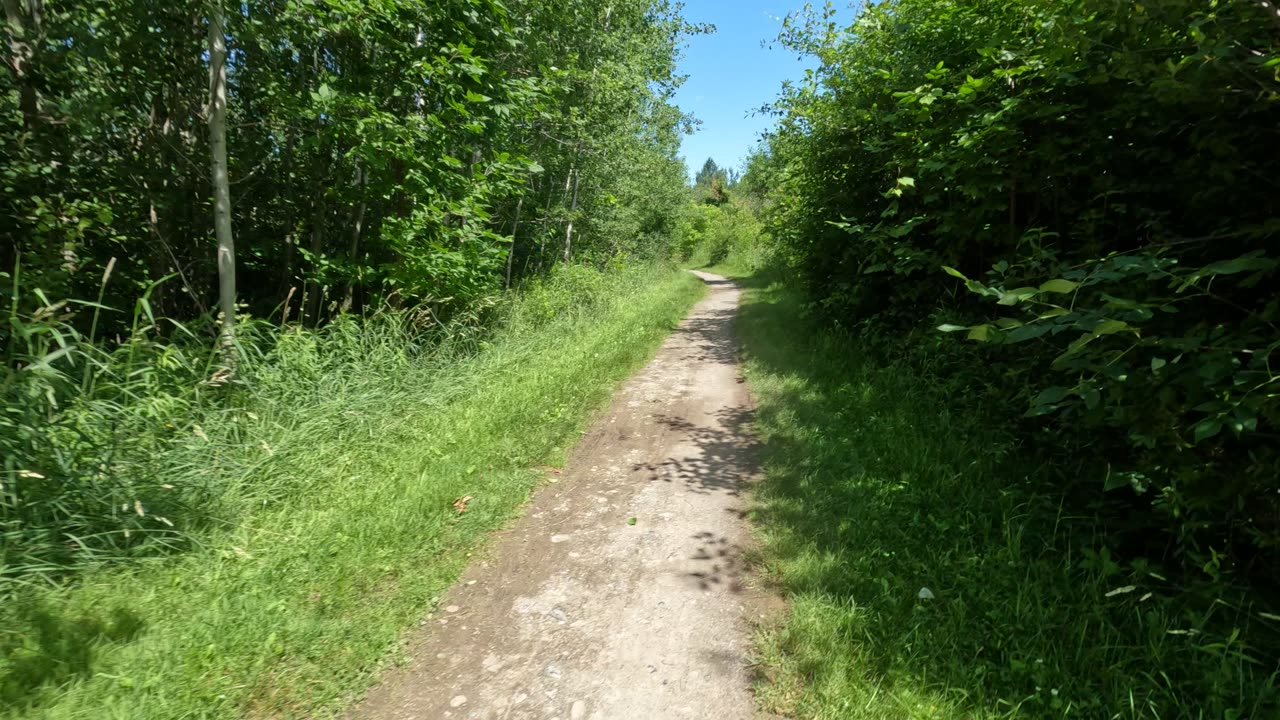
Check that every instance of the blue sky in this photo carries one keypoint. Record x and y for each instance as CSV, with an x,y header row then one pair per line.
x,y
731,75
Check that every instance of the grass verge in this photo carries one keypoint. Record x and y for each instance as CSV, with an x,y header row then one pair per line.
x,y
345,530
926,578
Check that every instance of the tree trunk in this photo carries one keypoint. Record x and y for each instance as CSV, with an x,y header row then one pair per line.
x,y
515,228
573,208
362,180
542,234
25,29
290,229
312,291
221,186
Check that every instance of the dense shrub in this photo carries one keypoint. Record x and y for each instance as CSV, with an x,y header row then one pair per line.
x,y
730,233
1086,187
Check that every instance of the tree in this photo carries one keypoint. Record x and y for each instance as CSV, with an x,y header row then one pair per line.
x,y
221,184
709,173
417,155
377,153
711,183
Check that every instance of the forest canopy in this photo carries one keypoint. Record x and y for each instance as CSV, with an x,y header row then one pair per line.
x,y
374,148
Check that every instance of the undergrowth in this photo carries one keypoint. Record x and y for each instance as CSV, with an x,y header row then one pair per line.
x,y
321,494
930,576
726,235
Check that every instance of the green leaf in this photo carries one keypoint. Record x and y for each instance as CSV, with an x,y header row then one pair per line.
x,y
978,288
1052,395
981,333
1076,346
1212,406
1028,332
1157,363
1059,286
1092,398
1237,265
952,328
1207,428
954,272
907,181
1017,295
1110,327
1115,481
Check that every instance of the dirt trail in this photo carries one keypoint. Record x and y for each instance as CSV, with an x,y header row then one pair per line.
x,y
578,615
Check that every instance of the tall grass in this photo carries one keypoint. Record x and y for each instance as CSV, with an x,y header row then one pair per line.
x,y
320,483
124,448
928,576
83,432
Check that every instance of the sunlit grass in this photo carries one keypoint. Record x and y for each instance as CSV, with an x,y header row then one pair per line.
x,y
343,532
876,489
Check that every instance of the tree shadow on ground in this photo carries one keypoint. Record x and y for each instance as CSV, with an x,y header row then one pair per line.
x,y
721,564
727,454
43,646
710,337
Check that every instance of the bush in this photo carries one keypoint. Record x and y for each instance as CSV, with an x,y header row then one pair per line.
x,y
725,234
1073,184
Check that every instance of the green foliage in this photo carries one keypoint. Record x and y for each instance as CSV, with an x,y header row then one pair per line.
x,y
390,148
1073,184
883,480
83,433
722,224
132,453
566,289
711,184
729,233
1076,188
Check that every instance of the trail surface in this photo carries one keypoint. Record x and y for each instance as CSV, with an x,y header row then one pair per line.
x,y
577,614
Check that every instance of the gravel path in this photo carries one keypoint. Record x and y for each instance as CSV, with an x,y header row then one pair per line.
x,y
578,614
